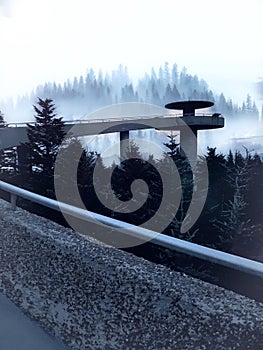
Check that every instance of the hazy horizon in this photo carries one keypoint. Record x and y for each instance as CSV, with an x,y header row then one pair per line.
x,y
47,41
55,40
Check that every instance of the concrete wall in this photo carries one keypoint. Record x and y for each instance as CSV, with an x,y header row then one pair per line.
x,y
96,297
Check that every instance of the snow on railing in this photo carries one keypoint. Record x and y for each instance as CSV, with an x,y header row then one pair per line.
x,y
208,254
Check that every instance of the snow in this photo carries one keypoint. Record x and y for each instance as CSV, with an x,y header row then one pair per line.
x,y
18,332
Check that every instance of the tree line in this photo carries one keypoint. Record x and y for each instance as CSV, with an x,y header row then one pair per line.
x,y
84,94
231,219
232,216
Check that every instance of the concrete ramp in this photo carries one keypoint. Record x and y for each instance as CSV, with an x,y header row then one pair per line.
x,y
96,297
11,137
14,134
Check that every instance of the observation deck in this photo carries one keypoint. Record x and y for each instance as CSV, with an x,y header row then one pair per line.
x,y
199,121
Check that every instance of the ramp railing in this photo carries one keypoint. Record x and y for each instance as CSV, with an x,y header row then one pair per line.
x,y
208,254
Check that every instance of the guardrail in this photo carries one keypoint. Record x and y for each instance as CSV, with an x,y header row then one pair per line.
x,y
208,254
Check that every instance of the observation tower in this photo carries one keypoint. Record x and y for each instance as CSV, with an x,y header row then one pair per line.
x,y
188,123
191,122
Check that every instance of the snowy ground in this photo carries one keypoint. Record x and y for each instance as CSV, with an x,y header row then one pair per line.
x,y
18,332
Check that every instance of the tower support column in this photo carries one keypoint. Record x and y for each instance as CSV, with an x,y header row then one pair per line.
x,y
124,143
21,156
188,144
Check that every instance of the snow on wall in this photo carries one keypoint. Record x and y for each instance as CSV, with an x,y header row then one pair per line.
x,y
96,297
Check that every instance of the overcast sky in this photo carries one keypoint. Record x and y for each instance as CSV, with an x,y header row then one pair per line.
x,y
220,41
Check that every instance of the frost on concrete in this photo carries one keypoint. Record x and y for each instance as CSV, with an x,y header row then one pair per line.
x,y
96,297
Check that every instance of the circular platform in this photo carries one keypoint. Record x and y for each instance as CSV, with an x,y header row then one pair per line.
x,y
191,105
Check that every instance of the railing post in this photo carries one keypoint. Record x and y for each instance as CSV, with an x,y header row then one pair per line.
x,y
13,199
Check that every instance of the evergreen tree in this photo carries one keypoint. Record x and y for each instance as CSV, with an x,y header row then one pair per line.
x,y
255,111
127,94
2,120
45,137
176,94
166,74
218,191
173,145
168,95
86,94
8,157
186,187
132,168
175,74
233,222
8,162
249,108
248,103
222,103
72,156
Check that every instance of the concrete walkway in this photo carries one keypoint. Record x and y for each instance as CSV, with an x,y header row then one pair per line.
x,y
18,332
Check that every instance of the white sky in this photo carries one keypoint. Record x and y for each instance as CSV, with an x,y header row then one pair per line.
x,y
220,41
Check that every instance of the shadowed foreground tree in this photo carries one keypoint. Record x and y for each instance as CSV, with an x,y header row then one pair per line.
x,y
186,177
74,167
125,175
45,137
8,157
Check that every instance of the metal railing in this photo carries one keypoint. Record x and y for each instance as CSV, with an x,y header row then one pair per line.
x,y
116,119
208,254
88,121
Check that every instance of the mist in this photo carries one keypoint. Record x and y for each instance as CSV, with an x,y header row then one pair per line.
x,y
236,136
6,8
103,95
79,97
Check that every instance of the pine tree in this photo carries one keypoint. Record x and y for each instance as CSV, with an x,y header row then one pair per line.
x,y
255,110
222,103
45,137
233,223
186,186
175,74
8,157
218,189
134,167
166,74
173,145
248,103
73,156
8,160
168,95
2,120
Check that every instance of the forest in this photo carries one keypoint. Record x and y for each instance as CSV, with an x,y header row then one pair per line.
x,y
82,95
231,219
232,216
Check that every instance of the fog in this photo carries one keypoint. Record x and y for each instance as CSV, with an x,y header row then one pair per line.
x,y
221,43
6,8
235,136
111,95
